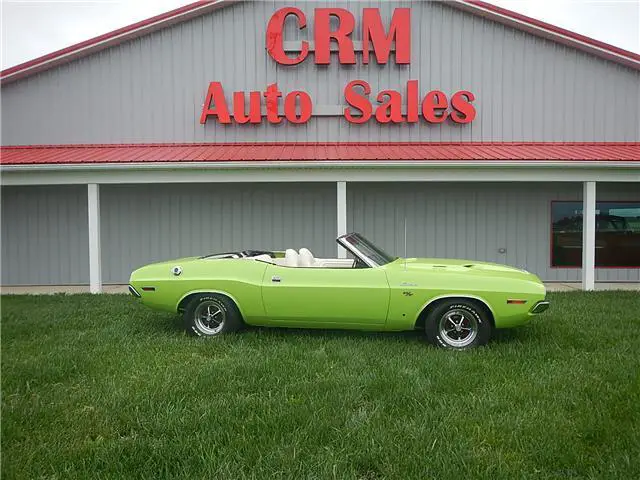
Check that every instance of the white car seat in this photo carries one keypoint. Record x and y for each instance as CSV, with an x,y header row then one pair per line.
x,y
263,258
290,258
305,259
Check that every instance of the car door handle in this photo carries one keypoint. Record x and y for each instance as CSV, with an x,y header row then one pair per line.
x,y
276,279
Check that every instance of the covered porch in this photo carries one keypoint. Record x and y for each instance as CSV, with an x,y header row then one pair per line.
x,y
343,187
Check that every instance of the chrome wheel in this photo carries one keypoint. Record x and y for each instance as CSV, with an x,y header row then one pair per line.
x,y
458,328
209,317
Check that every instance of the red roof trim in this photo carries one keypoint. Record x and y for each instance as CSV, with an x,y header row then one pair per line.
x,y
118,36
353,151
547,30
122,34
553,28
320,144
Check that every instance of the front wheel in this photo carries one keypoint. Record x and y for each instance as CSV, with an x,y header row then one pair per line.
x,y
458,325
210,315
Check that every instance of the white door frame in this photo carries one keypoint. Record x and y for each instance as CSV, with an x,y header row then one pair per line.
x,y
95,254
341,214
588,235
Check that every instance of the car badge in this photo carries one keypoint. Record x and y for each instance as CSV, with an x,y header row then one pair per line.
x,y
177,270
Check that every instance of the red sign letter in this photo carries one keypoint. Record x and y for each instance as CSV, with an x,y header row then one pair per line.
x,y
323,35
390,110
274,36
239,115
434,100
412,101
400,29
461,102
220,109
357,101
272,94
305,107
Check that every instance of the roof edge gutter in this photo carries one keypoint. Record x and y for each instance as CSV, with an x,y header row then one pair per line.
x,y
328,164
548,31
130,32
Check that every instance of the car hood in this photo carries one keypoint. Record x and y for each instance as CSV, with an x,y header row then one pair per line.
x,y
466,266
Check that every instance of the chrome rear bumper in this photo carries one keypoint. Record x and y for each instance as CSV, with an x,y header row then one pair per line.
x,y
540,307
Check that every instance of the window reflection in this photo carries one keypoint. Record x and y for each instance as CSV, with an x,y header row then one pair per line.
x,y
617,234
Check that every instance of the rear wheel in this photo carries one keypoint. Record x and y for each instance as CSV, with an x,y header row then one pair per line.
x,y
458,325
210,314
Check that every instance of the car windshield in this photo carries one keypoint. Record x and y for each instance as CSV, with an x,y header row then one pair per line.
x,y
367,251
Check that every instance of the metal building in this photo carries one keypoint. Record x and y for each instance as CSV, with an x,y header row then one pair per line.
x,y
497,137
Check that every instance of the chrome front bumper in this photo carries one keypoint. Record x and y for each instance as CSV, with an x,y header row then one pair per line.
x,y
540,307
133,292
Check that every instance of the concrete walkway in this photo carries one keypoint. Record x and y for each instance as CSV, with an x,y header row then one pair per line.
x,y
51,289
569,287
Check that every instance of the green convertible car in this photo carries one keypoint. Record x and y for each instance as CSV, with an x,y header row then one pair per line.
x,y
457,303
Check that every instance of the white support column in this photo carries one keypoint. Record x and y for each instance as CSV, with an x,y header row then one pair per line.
x,y
95,266
341,188
588,235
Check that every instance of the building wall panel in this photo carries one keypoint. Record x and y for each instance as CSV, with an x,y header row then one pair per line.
x,y
504,223
44,235
45,241
148,223
151,89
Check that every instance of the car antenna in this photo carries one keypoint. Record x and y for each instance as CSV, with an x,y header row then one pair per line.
x,y
405,243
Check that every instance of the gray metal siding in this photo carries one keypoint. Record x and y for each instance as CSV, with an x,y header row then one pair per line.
x,y
151,89
45,241
148,223
475,221
44,235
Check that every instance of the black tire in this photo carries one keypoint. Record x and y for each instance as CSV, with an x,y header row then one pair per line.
x,y
458,325
210,315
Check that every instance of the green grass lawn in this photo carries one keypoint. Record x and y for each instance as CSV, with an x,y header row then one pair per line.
x,y
101,387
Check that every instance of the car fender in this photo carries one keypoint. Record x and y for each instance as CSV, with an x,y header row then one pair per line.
x,y
211,290
451,295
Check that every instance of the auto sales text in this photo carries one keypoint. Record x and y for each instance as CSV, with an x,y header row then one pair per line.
x,y
335,26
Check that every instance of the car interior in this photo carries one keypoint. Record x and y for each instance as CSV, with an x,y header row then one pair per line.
x,y
366,255
305,259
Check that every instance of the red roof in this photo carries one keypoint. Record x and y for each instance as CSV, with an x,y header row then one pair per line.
x,y
260,152
547,30
498,14
107,40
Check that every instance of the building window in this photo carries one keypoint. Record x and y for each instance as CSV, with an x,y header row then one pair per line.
x,y
617,234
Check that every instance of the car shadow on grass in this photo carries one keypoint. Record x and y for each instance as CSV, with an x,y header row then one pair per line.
x,y
326,333
163,323
519,335
286,334
523,334
172,324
